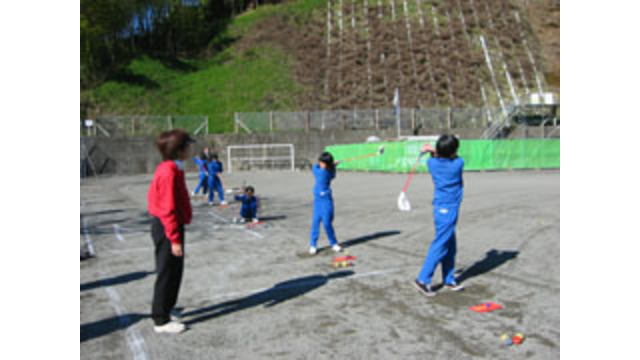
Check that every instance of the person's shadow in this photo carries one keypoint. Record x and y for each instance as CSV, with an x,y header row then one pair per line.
x,y
369,237
273,296
116,280
493,259
107,326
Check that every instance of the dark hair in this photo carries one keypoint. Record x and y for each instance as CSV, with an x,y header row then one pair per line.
x,y
171,143
249,188
203,156
327,158
447,146
213,156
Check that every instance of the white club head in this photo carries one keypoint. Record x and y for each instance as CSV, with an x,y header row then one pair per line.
x,y
403,202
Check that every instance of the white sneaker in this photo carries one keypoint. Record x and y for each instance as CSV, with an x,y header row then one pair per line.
x,y
210,203
223,203
336,248
172,327
193,193
255,220
313,251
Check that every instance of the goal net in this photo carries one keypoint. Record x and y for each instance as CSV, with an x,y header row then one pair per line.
x,y
260,157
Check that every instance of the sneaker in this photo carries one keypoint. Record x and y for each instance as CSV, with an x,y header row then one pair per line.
x,y
255,220
336,248
223,203
210,203
454,287
425,290
243,220
172,327
313,251
193,193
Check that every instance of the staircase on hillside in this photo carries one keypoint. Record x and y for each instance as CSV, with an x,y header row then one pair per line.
x,y
536,110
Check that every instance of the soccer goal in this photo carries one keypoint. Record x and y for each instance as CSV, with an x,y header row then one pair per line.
x,y
260,157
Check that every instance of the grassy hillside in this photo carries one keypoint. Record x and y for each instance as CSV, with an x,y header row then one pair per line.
x,y
239,77
280,57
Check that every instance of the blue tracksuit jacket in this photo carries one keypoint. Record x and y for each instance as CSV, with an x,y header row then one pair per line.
x,y
249,209
447,197
322,206
215,168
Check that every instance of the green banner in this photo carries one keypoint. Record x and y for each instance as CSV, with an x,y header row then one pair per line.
x,y
477,154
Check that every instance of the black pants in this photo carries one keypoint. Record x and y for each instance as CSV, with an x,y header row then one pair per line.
x,y
168,274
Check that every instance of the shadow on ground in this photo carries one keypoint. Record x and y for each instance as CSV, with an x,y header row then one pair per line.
x,y
104,327
370,237
493,259
116,280
273,296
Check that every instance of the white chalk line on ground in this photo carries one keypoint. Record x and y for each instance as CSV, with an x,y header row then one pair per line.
x,y
87,237
116,230
258,235
303,283
135,340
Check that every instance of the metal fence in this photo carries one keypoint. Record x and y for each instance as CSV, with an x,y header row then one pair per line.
x,y
130,125
379,119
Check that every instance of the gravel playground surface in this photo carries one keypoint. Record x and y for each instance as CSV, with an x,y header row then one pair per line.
x,y
251,293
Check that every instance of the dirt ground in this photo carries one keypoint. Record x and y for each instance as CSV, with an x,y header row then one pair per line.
x,y
433,55
254,293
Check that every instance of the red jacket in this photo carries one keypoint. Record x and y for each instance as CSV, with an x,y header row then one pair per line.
x,y
169,199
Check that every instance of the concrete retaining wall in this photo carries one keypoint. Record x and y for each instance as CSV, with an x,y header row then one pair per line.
x,y
137,155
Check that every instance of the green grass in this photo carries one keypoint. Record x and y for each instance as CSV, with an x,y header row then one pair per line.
x,y
258,79
234,80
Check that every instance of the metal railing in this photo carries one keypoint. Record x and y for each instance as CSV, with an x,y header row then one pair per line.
x,y
377,119
132,125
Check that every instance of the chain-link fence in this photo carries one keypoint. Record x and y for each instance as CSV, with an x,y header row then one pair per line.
x,y
380,119
130,125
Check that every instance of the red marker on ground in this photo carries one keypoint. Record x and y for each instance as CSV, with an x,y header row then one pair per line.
x,y
489,306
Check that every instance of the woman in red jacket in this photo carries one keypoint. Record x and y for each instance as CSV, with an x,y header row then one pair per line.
x,y
170,208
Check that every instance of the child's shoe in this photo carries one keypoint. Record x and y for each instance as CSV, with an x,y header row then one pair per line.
x,y
223,202
336,248
425,290
172,327
313,251
454,287
255,220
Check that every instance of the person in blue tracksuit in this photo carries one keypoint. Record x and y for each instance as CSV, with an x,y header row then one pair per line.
x,y
446,171
324,172
201,163
249,208
215,181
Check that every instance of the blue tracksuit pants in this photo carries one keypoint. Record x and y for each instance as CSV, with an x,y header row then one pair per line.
x,y
322,212
202,183
215,184
443,247
247,213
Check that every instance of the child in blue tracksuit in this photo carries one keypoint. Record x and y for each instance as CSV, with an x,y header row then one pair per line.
x,y
201,163
446,171
215,182
249,209
324,172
